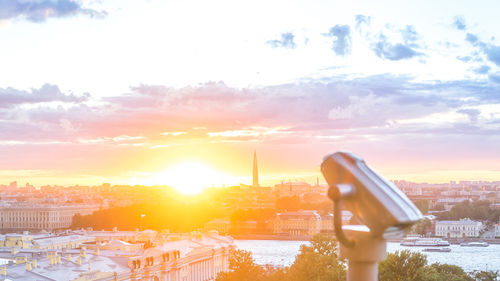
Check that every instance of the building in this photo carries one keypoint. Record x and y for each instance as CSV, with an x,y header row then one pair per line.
x,y
327,221
174,257
222,226
300,223
297,189
43,241
497,230
22,217
458,229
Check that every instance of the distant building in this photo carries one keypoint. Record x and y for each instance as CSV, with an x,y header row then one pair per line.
x,y
458,229
222,226
327,221
244,227
40,217
297,223
298,189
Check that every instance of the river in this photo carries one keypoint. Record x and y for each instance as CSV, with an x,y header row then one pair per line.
x,y
282,253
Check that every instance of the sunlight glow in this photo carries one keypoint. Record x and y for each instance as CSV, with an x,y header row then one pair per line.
x,y
191,177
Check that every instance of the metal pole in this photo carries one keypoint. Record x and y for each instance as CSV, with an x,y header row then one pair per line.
x,y
364,256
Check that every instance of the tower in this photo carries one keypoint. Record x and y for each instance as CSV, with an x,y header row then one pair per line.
x,y
255,170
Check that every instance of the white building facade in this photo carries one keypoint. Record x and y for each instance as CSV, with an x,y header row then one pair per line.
x,y
41,217
175,257
458,229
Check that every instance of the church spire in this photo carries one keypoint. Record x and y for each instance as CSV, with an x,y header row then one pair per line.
x,y
255,170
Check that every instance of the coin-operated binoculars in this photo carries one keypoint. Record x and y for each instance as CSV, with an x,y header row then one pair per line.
x,y
383,209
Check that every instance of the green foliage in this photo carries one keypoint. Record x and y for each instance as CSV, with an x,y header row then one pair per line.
x,y
401,266
421,226
318,262
409,266
478,210
170,214
242,268
439,207
485,275
449,272
422,205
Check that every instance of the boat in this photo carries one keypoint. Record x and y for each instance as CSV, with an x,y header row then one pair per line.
x,y
474,244
440,250
424,242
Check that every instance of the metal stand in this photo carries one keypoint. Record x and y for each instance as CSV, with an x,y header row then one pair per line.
x,y
364,256
362,250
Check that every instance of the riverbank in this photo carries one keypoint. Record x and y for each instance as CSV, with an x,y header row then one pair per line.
x,y
272,237
285,237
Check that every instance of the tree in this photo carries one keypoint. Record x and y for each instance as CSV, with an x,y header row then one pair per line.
x,y
242,268
450,272
422,205
421,226
318,262
485,275
277,275
478,210
401,266
409,266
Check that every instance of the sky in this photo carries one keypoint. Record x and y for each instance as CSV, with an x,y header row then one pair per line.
x,y
128,91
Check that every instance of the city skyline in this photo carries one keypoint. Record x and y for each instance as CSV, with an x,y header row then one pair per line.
x,y
143,92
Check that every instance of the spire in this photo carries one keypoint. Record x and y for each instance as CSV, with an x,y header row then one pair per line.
x,y
255,170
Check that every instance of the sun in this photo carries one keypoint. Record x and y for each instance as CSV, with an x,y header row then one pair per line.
x,y
191,177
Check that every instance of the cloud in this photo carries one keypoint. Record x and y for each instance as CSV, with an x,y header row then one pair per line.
x,y
471,38
483,69
473,114
493,54
41,10
315,107
342,39
47,93
410,36
398,51
285,42
459,23
371,114
495,78
464,58
362,20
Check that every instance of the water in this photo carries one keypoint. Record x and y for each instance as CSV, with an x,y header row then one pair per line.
x,y
469,258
